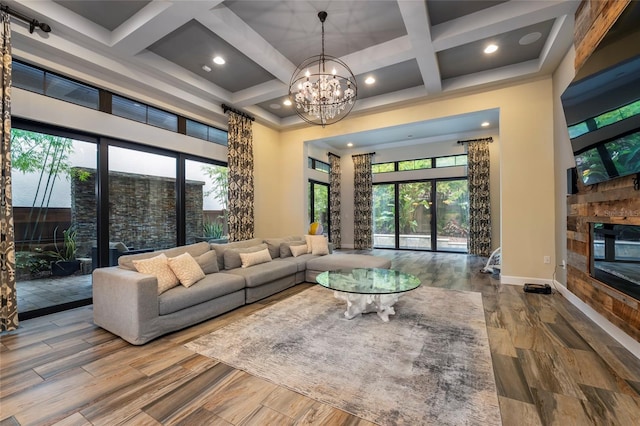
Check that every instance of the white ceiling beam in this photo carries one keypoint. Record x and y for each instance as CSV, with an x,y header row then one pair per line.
x,y
558,43
227,25
416,21
379,56
259,93
498,19
154,21
500,75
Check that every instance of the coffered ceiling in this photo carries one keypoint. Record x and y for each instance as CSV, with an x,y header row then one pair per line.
x,y
414,49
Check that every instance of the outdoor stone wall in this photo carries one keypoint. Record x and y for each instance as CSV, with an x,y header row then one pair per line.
x,y
142,210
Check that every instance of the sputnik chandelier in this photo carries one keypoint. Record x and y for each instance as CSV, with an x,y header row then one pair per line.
x,y
323,88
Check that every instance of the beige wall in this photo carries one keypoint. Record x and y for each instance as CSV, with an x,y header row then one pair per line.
x,y
525,152
563,157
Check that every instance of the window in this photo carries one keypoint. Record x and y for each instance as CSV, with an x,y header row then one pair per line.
x,y
45,83
424,163
419,164
318,165
207,189
207,133
383,167
319,204
454,160
422,215
142,113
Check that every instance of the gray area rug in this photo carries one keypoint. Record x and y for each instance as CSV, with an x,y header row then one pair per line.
x,y
429,365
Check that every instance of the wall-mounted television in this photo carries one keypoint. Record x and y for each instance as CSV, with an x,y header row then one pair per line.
x,y
602,105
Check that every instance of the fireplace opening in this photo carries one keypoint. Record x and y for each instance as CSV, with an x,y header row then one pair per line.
x,y
615,256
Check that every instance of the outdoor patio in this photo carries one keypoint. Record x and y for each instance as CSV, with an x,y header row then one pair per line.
x,y
45,292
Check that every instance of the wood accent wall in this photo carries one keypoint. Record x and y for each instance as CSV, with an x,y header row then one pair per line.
x,y
616,202
593,20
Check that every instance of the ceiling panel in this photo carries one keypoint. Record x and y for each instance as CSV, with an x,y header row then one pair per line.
x,y
192,45
403,75
294,29
470,58
443,11
106,13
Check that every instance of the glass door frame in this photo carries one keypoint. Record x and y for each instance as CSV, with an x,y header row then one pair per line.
x,y
434,218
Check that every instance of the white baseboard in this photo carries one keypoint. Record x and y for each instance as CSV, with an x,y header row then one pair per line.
x,y
505,279
623,338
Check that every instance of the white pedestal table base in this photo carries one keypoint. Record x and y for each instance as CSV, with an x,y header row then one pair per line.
x,y
358,304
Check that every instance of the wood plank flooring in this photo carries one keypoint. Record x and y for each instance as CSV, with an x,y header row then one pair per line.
x,y
552,366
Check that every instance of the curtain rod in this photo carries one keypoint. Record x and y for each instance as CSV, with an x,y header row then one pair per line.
x,y
357,155
226,108
33,23
489,139
331,153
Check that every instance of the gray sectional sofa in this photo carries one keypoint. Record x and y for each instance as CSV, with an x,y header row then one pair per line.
x,y
127,303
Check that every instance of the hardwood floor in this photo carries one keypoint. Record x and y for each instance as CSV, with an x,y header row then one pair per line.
x,y
552,366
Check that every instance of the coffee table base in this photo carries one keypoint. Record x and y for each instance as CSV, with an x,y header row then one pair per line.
x,y
358,304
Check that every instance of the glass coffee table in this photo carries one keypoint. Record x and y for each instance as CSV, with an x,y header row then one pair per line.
x,y
368,289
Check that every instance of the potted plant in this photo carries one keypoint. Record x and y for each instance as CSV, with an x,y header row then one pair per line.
x,y
66,262
213,232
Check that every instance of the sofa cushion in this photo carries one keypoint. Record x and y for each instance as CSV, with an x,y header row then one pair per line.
x,y
159,268
232,255
186,269
194,250
337,261
208,288
220,248
300,261
208,262
274,244
265,272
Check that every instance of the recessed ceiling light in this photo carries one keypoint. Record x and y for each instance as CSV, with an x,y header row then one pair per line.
x,y
370,80
350,144
275,106
206,68
287,102
491,48
485,123
530,38
219,60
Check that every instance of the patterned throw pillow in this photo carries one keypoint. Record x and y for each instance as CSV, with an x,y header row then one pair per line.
x,y
298,250
255,258
159,268
186,269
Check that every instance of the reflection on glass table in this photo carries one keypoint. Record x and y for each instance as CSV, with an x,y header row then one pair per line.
x,y
368,289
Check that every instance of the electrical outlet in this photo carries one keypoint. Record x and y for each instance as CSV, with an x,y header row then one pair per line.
x,y
547,259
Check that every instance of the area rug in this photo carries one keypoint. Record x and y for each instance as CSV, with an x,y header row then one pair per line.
x,y
429,365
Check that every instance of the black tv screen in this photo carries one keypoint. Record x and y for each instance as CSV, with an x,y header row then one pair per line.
x,y
602,105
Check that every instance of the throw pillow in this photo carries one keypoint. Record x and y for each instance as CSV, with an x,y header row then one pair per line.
x,y
285,248
159,268
255,258
298,250
208,262
186,269
232,256
319,245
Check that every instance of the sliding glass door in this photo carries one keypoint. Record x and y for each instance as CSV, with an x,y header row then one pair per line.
x,y
423,215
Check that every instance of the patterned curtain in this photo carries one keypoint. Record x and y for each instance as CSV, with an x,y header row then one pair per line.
x,y
240,178
362,192
479,241
8,299
335,235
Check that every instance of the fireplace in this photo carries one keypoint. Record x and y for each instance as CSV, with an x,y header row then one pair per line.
x,y
615,256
